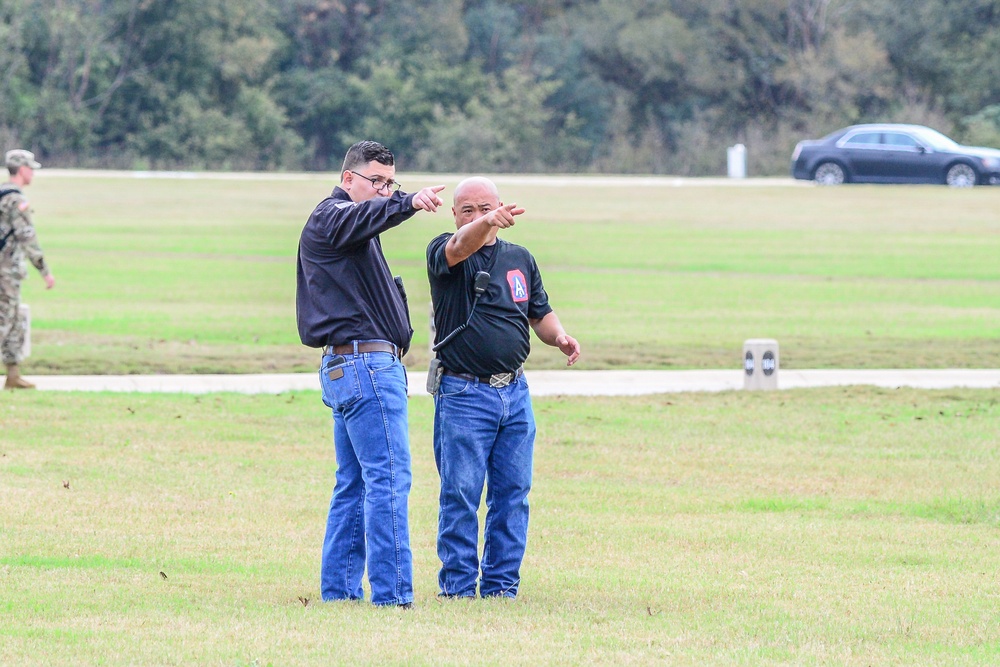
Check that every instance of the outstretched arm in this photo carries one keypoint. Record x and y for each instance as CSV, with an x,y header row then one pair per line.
x,y
473,236
550,331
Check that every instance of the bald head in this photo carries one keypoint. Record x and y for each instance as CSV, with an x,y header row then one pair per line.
x,y
476,184
474,197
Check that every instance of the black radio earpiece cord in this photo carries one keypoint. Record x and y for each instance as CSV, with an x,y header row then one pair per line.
x,y
480,283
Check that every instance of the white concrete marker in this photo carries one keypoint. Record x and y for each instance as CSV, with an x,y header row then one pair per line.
x,y
760,363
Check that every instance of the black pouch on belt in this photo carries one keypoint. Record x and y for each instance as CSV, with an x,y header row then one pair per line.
x,y
434,372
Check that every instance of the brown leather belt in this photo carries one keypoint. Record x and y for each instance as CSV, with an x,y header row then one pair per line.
x,y
496,380
373,346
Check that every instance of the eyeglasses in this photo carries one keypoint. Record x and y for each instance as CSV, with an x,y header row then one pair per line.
x,y
378,183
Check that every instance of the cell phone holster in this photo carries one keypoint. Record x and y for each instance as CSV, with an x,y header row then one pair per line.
x,y
434,372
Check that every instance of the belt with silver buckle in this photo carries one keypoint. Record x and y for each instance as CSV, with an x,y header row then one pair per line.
x,y
497,380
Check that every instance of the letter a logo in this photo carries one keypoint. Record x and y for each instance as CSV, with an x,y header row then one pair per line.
x,y
518,286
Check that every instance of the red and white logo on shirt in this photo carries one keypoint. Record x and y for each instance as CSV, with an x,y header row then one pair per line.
x,y
518,286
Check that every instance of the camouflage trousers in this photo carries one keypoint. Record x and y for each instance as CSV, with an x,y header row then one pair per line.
x,y
12,325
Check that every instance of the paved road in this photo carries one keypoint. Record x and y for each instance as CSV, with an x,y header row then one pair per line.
x,y
568,180
543,383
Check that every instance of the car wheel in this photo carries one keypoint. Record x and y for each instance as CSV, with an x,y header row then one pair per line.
x,y
829,173
960,176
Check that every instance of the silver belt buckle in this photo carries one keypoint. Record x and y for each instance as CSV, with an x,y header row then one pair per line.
x,y
501,380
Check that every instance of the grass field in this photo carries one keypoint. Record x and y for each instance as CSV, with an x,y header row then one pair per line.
x,y
190,275
845,526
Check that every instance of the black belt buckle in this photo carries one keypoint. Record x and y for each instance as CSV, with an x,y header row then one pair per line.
x,y
501,380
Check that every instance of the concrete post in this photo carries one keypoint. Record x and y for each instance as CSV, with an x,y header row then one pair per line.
x,y
736,161
24,312
760,363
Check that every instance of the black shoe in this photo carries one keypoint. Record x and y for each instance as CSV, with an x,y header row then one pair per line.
x,y
406,605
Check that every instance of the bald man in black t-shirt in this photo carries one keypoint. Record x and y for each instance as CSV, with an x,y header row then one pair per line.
x,y
484,429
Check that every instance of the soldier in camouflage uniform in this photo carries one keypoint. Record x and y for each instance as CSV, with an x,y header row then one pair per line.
x,y
17,241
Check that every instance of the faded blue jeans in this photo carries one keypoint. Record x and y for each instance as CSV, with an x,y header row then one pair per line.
x,y
482,434
368,521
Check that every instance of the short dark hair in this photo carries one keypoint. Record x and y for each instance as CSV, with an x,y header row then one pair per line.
x,y
363,152
13,170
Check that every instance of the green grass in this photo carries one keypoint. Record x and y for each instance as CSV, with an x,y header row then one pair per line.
x,y
852,526
199,275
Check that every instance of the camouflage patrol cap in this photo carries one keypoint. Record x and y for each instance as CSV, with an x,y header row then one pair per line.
x,y
21,158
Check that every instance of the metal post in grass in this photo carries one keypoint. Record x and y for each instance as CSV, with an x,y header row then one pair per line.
x,y
736,161
760,363
24,312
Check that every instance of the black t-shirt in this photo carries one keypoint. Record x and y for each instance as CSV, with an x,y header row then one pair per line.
x,y
344,289
497,339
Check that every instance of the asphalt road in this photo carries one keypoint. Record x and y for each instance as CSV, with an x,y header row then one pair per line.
x,y
567,180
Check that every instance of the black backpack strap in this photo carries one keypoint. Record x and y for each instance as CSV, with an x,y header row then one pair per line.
x,y
3,193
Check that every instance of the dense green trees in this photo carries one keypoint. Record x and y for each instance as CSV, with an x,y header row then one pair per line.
x,y
657,86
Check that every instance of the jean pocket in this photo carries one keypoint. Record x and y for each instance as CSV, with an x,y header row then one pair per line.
x,y
453,386
379,361
341,386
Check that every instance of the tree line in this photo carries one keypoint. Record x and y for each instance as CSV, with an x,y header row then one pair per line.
x,y
621,86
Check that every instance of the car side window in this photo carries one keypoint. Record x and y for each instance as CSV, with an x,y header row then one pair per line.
x,y
864,140
899,140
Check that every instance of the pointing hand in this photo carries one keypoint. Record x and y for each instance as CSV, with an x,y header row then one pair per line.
x,y
503,217
427,199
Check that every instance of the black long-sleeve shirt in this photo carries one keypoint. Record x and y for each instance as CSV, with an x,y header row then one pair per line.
x,y
345,290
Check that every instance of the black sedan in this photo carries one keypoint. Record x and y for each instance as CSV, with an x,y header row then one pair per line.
x,y
891,153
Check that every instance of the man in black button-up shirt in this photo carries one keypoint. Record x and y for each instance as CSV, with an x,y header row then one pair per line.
x,y
347,299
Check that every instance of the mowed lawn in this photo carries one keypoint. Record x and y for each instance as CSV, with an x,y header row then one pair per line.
x,y
198,274
841,526
851,526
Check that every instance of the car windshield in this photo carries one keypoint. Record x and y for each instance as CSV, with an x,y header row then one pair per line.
x,y
935,139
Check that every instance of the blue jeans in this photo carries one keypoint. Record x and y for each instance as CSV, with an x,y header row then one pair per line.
x,y
368,512
482,434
